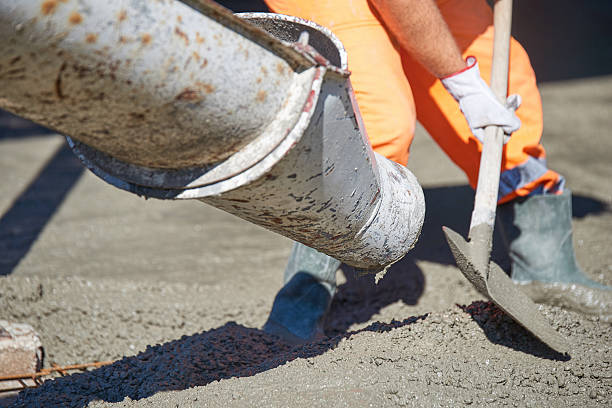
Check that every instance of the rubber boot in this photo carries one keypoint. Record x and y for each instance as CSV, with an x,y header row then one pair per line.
x,y
300,306
537,231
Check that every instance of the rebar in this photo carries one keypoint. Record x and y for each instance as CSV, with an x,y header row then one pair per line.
x,y
36,377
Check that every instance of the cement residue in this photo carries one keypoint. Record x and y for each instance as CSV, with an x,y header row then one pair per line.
x,y
462,355
583,299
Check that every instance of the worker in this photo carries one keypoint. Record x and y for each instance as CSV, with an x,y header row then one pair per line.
x,y
428,61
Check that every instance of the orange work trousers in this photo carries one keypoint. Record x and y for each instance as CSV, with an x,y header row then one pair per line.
x,y
393,91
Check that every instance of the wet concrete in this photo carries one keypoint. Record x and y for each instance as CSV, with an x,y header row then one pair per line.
x,y
176,292
175,352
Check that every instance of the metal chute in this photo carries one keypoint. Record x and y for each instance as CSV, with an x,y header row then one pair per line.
x,y
253,114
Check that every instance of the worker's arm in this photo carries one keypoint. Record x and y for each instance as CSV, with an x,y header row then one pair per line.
x,y
419,28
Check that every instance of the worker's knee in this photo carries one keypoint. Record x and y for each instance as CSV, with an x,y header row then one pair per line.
x,y
388,113
393,143
378,4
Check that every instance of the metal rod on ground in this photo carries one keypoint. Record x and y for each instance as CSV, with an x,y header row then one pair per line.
x,y
47,371
59,369
168,102
37,376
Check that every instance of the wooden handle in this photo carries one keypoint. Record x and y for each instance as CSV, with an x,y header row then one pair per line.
x,y
485,202
502,22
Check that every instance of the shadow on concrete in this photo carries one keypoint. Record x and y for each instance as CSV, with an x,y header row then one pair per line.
x,y
584,205
23,222
360,298
452,206
501,329
14,127
231,350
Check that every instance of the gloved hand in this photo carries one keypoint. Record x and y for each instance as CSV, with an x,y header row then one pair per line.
x,y
478,103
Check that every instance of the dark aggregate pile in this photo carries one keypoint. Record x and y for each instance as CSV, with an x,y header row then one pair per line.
x,y
196,360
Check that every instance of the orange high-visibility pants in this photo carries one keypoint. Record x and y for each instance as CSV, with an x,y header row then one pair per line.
x,y
393,90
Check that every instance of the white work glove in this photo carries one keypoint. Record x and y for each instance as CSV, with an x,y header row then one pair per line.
x,y
478,103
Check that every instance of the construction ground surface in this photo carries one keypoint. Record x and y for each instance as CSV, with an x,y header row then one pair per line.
x,y
176,292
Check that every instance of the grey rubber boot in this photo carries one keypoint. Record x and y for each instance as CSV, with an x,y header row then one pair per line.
x,y
300,306
538,235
